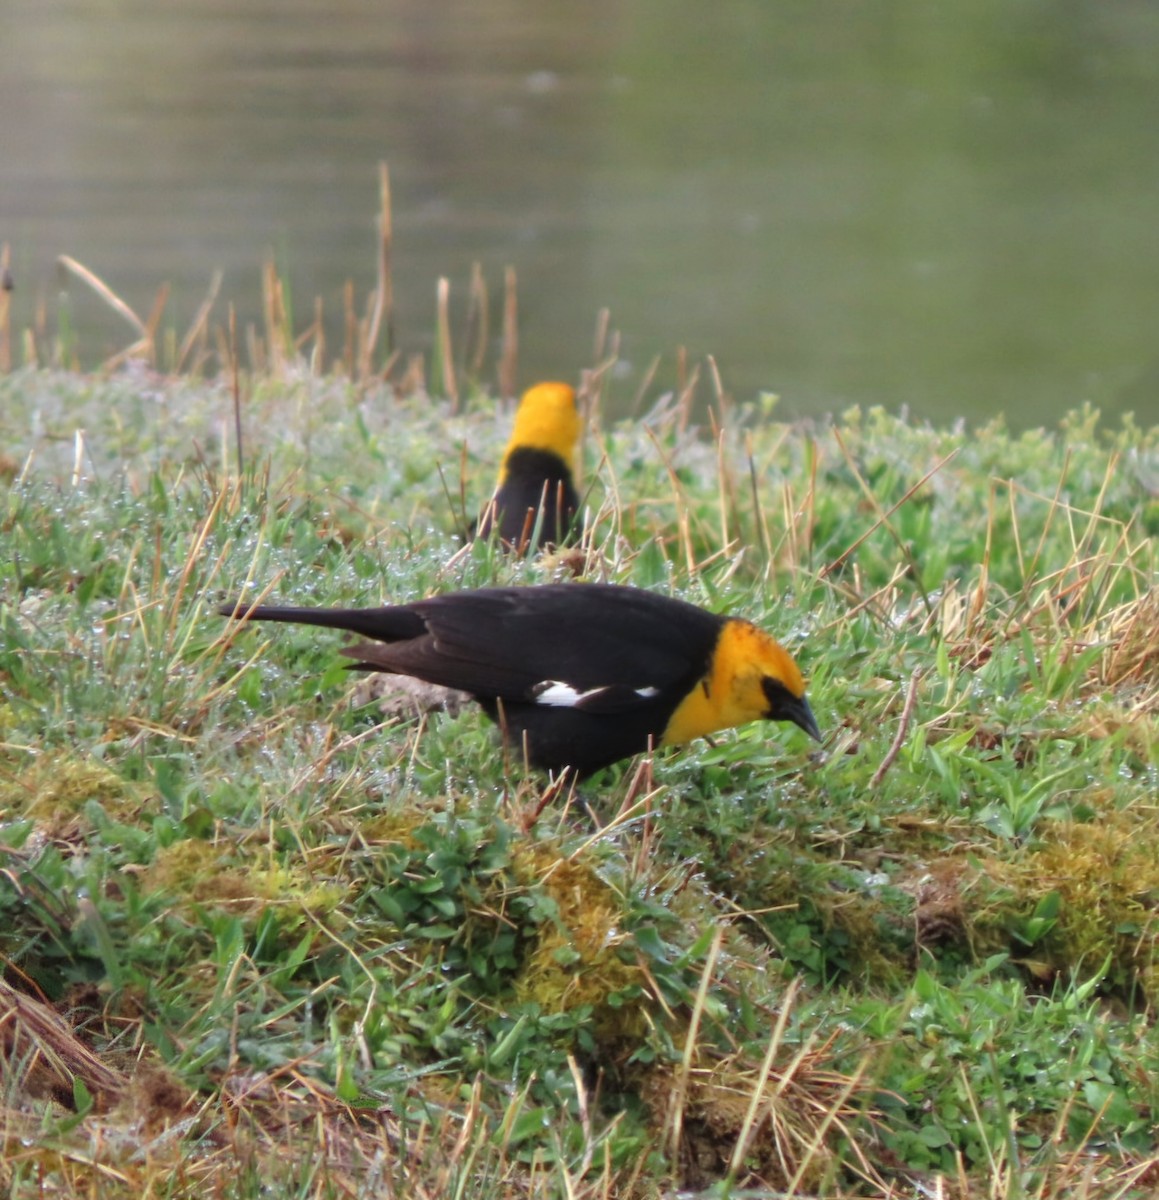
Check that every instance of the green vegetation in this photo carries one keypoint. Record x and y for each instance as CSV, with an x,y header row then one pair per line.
x,y
265,932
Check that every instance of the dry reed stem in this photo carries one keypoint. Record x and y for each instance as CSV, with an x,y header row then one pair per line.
x,y
1052,510
200,324
676,1115
613,354
789,547
902,729
235,390
591,386
105,292
310,333
684,513
646,381
153,320
143,347
318,354
723,487
445,352
1131,635
349,328
478,322
276,321
413,378
723,399
883,517
6,286
830,1117
757,1096
686,393
600,341
509,358
758,509
382,311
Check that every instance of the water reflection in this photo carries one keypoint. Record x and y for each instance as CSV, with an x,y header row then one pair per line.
x,y
946,206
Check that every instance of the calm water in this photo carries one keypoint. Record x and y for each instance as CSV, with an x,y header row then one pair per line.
x,y
948,205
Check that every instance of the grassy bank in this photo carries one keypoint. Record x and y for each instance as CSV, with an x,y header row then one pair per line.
x,y
268,931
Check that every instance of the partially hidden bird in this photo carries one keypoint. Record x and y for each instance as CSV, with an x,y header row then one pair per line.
x,y
535,501
576,675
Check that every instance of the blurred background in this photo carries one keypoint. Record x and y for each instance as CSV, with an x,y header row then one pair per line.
x,y
950,205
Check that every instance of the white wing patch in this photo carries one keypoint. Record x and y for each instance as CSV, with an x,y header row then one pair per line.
x,y
562,695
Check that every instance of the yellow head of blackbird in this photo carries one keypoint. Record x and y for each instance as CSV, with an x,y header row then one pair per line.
x,y
536,481
577,675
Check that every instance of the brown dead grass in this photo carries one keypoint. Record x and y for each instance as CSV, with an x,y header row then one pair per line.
x,y
1131,658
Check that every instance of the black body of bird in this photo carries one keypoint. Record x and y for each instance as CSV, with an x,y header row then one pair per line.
x,y
535,501
577,675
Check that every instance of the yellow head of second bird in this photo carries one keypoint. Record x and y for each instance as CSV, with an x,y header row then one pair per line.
x,y
547,419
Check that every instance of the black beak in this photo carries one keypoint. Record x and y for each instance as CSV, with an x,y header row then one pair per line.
x,y
784,706
799,712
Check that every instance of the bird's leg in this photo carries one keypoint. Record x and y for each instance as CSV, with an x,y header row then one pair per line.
x,y
641,783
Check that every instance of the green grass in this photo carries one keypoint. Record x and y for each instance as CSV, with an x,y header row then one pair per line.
x,y
262,939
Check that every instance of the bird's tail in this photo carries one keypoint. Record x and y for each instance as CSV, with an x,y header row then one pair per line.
x,y
390,624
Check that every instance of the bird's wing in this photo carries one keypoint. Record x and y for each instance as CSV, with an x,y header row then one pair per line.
x,y
601,649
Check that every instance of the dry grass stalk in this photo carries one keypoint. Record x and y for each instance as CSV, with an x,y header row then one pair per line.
x,y
723,399
757,1096
153,320
478,323
43,1057
6,286
509,358
645,386
256,350
902,728
883,516
1130,633
318,354
382,310
446,356
764,1126
235,389
196,335
725,486
105,292
687,383
143,347
276,319
603,319
675,1125
349,328
759,519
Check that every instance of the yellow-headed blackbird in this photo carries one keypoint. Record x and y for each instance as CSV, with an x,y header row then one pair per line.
x,y
577,675
536,487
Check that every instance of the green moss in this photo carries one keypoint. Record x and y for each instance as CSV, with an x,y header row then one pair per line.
x,y
581,957
56,788
1106,875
